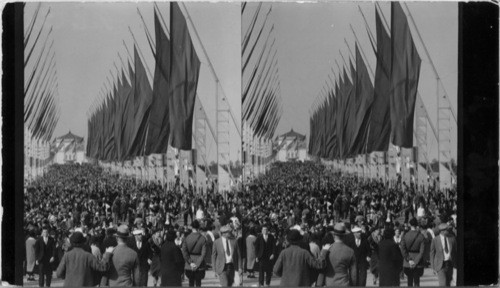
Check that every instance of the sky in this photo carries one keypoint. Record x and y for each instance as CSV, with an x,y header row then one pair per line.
x,y
89,36
310,38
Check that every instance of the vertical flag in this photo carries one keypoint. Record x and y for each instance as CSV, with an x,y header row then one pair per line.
x,y
405,74
143,96
184,72
159,126
380,122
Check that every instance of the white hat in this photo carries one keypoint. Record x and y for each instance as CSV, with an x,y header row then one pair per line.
x,y
356,229
138,232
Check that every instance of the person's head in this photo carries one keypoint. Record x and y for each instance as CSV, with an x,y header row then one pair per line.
x,y
388,233
339,231
45,232
171,235
356,231
397,231
195,225
265,230
122,233
77,239
413,223
225,231
138,234
444,229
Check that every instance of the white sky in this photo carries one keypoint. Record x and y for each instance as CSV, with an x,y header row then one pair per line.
x,y
310,35
89,36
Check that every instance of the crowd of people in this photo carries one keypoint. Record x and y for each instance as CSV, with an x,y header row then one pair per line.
x,y
298,221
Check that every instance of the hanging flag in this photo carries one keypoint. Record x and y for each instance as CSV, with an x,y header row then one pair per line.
x,y
143,96
184,72
405,74
159,126
349,111
380,121
364,100
127,114
119,100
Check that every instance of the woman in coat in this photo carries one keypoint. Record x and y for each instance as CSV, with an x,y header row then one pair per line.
x,y
155,243
390,259
250,243
373,241
30,255
172,262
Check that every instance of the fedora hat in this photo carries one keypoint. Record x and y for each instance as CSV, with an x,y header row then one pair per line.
x,y
294,236
122,231
339,229
443,226
77,238
356,229
225,229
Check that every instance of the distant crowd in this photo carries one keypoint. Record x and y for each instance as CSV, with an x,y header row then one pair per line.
x,y
299,222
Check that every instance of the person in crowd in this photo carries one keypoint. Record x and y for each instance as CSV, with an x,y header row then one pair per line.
x,y
362,252
341,265
251,252
444,255
412,248
171,262
45,253
294,263
194,251
155,243
265,252
225,257
390,259
77,267
143,250
125,266
30,255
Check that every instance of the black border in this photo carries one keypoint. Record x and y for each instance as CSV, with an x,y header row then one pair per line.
x,y
478,142
12,142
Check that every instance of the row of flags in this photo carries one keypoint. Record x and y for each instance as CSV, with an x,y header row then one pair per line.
x,y
359,117
138,119
41,107
261,100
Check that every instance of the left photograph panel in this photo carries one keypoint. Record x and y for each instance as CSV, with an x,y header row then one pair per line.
x,y
132,132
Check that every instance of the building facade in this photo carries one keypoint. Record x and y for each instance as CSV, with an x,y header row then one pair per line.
x,y
290,146
68,148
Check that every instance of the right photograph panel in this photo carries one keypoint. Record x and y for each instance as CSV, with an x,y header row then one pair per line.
x,y
349,139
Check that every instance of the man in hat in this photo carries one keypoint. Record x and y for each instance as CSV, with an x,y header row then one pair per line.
x,y
141,247
362,253
194,250
225,257
124,270
342,269
294,263
412,248
444,255
77,265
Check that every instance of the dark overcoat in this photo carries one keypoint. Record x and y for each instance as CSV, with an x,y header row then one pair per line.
x,y
172,265
390,263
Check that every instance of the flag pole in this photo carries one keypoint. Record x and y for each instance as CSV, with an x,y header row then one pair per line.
x,y
140,53
238,128
429,57
349,49
363,54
